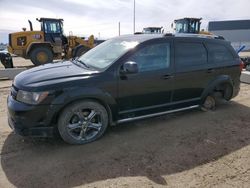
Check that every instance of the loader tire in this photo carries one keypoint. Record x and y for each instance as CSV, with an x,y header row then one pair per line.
x,y
41,55
80,51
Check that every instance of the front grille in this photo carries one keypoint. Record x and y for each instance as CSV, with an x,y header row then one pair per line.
x,y
13,91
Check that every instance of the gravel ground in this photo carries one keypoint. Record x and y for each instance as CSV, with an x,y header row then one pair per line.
x,y
188,149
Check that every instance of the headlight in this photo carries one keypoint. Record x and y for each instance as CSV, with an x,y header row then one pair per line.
x,y
31,97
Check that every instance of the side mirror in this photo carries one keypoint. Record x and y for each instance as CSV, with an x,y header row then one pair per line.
x,y
130,67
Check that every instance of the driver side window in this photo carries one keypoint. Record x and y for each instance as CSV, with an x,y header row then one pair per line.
x,y
152,57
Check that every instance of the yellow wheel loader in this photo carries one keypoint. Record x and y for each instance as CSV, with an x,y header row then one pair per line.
x,y
50,43
189,25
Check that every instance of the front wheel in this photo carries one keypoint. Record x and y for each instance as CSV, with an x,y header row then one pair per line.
x,y
41,55
80,51
83,122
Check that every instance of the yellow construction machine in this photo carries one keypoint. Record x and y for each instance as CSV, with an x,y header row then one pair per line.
x,y
47,44
189,25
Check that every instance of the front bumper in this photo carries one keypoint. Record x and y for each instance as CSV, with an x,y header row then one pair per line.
x,y
31,120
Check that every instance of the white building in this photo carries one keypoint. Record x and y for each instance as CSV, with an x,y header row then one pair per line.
x,y
236,31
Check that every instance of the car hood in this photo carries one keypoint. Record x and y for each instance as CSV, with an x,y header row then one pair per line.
x,y
51,74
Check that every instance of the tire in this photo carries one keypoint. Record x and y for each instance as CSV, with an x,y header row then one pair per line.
x,y
41,55
227,92
80,51
6,60
209,103
83,122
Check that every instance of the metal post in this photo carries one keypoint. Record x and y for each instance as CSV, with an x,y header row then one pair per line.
x,y
119,28
134,16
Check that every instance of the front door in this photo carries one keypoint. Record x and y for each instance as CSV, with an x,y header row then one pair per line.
x,y
52,31
149,90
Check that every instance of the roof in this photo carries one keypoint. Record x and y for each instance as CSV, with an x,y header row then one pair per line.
x,y
229,25
143,37
152,28
186,18
139,37
51,19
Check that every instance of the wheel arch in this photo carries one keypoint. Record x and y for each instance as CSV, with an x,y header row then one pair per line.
x,y
33,45
99,100
219,84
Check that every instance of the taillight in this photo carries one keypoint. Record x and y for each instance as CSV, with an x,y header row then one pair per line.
x,y
242,65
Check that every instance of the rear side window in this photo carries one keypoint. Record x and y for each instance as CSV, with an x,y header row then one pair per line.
x,y
190,54
218,53
152,57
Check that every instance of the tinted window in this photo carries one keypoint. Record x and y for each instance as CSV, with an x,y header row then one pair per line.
x,y
152,57
219,53
51,27
190,54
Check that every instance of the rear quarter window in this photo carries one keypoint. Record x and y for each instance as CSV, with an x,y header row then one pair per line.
x,y
219,53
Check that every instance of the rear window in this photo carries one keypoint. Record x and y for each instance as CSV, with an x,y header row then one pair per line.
x,y
219,53
190,54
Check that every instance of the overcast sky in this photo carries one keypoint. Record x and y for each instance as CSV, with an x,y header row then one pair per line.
x,y
101,17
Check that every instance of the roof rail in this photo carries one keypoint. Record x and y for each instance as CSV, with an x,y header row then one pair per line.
x,y
199,36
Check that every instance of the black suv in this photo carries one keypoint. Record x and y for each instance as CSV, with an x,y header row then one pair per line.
x,y
123,79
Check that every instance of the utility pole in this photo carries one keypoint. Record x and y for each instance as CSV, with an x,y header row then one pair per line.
x,y
134,16
119,28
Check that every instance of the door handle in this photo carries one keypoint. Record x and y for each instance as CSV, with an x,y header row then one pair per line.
x,y
165,77
210,70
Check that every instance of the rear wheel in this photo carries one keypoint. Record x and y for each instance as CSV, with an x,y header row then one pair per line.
x,y
41,55
209,103
83,122
227,92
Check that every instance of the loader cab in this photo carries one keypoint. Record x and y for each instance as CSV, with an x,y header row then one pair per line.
x,y
188,25
53,30
152,30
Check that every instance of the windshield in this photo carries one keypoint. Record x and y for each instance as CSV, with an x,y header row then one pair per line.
x,y
182,26
151,30
107,52
185,26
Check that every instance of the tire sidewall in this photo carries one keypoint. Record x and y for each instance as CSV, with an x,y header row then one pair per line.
x,y
81,50
205,108
34,52
67,114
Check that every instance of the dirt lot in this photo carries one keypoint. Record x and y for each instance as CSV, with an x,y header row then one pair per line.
x,y
188,149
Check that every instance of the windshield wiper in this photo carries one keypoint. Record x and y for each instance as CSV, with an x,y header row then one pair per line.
x,y
80,61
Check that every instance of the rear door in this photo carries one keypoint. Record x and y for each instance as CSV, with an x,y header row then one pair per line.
x,y
149,90
192,71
